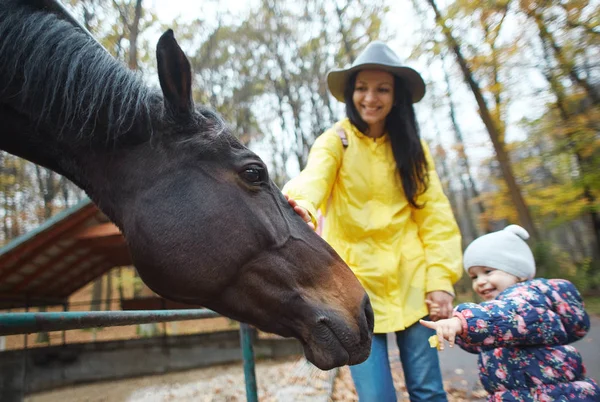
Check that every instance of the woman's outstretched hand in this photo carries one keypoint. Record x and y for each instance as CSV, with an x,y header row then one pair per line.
x,y
302,212
445,329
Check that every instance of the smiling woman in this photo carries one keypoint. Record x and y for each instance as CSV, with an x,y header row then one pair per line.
x,y
203,221
386,215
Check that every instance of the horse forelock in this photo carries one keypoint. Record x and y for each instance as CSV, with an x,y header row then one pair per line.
x,y
61,78
208,131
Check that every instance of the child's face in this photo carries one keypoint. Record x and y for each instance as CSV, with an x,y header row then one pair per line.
x,y
489,282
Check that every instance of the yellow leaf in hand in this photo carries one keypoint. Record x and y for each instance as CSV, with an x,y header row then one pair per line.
x,y
434,342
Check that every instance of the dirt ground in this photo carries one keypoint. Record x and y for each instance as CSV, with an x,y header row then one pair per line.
x,y
277,381
343,389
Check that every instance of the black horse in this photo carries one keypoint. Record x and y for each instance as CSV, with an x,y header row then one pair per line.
x,y
203,221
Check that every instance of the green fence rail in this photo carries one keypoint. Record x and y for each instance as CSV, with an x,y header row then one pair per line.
x,y
28,323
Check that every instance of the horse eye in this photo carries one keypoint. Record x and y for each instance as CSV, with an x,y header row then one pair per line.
x,y
252,175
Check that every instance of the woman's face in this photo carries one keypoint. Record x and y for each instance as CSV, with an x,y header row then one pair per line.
x,y
489,282
373,95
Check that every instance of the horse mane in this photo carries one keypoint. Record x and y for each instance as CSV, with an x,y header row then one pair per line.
x,y
62,78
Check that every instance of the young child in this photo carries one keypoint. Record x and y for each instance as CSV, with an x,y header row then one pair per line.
x,y
523,329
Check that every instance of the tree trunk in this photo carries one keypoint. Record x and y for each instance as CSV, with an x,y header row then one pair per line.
x,y
132,25
445,178
469,187
342,29
134,29
48,188
324,91
5,218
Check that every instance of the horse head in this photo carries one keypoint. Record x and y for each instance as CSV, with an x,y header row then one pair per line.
x,y
204,223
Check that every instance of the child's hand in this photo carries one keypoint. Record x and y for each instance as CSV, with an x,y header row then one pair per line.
x,y
445,329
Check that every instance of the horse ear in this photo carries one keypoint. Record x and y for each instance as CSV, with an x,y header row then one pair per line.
x,y
175,75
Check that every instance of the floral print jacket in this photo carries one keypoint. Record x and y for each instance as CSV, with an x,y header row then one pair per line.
x,y
523,338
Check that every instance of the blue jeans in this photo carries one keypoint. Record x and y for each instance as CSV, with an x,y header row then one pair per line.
x,y
373,378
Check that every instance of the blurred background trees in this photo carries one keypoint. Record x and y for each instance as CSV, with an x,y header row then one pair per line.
x,y
512,111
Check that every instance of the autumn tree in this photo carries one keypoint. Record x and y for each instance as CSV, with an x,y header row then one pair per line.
x,y
488,96
568,38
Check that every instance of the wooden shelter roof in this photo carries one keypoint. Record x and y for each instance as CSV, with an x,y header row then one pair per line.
x,y
48,264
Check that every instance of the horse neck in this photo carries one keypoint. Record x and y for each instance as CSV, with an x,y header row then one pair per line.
x,y
77,151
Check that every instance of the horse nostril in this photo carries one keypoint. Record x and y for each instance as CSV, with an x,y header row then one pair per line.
x,y
368,309
322,320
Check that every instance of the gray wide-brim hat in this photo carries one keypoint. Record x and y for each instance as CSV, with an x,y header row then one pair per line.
x,y
376,56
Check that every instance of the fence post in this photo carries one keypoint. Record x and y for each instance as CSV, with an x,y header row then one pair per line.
x,y
64,333
248,354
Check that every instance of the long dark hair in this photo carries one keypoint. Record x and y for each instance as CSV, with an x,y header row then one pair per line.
x,y
403,130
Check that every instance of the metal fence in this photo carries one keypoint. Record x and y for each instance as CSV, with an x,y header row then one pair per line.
x,y
33,322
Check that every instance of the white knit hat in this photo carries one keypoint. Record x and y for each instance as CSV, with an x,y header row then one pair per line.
x,y
505,250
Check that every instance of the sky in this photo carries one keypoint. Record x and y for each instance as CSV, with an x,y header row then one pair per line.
x,y
188,10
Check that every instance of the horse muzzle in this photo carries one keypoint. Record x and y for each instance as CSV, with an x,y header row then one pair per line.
x,y
333,342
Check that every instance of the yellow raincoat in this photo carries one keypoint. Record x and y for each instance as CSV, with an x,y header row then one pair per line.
x,y
397,252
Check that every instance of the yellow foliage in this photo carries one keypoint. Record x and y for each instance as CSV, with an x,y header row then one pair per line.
x,y
434,342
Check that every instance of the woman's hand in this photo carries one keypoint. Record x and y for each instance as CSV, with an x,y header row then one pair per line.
x,y
434,309
445,329
443,301
302,212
